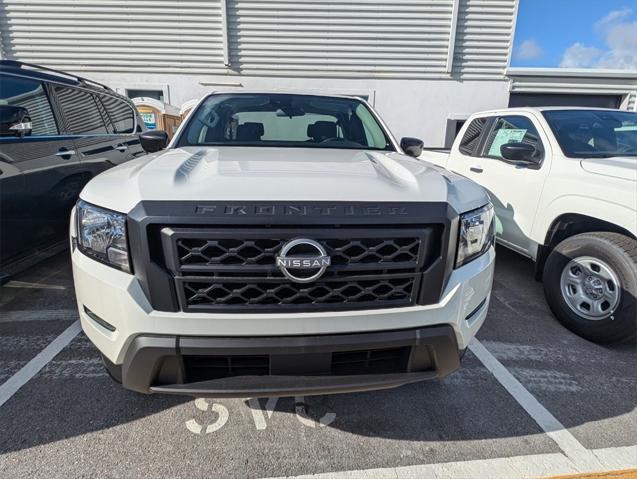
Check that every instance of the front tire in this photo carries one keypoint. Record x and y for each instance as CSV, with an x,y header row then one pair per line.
x,y
590,284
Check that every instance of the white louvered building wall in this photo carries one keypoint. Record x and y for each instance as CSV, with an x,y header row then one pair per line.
x,y
421,63
360,38
164,36
402,39
484,37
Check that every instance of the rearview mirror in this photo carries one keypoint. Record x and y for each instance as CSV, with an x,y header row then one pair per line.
x,y
519,153
153,140
14,121
412,146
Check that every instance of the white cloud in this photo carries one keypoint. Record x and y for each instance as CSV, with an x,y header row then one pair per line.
x,y
612,17
620,37
580,56
528,50
622,42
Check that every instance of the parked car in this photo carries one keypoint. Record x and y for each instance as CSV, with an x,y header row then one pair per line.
x,y
283,244
57,131
564,186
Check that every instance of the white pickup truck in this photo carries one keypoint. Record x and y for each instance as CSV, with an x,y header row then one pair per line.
x,y
283,245
563,182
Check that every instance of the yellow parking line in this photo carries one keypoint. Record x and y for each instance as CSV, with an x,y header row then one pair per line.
x,y
626,474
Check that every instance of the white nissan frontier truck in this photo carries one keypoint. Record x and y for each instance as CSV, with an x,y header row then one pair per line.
x,y
283,244
563,182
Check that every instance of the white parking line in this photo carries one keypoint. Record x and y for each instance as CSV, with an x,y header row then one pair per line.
x,y
575,458
19,379
571,447
536,465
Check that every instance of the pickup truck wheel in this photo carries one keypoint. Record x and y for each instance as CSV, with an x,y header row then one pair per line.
x,y
590,284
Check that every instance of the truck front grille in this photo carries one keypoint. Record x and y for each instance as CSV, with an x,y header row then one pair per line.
x,y
370,361
337,363
245,252
205,368
387,290
234,270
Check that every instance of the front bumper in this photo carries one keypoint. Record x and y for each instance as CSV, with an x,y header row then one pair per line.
x,y
288,365
146,345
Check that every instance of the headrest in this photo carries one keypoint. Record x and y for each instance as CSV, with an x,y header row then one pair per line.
x,y
250,131
604,139
320,130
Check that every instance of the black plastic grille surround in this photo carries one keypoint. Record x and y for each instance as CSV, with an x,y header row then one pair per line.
x,y
234,270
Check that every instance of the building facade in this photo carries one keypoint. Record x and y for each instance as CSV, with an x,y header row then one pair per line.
x,y
424,64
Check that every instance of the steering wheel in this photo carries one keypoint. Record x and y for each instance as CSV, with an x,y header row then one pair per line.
x,y
334,138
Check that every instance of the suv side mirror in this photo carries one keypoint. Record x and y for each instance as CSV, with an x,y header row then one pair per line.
x,y
519,153
14,121
153,140
412,146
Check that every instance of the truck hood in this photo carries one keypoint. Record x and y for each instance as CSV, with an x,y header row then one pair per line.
x,y
279,174
617,167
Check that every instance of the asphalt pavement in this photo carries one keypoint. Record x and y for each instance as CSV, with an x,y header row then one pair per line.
x,y
530,397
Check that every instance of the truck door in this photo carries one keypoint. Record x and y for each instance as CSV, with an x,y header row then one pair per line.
x,y
514,189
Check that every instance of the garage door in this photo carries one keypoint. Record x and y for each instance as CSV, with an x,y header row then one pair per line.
x,y
543,99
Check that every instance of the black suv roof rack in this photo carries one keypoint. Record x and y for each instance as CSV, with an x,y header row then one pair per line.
x,y
32,66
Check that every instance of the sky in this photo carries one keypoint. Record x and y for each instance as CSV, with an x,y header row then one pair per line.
x,y
576,34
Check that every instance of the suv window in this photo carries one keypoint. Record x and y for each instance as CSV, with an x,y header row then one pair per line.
x,y
512,129
120,113
30,95
82,113
471,137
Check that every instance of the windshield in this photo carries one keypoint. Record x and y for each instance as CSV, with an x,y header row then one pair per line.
x,y
594,133
282,120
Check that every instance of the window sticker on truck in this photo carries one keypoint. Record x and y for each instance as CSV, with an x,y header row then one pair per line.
x,y
503,137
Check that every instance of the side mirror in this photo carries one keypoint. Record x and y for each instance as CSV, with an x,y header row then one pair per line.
x,y
153,140
519,153
412,146
14,121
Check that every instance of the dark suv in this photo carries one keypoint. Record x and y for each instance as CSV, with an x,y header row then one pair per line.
x,y
57,131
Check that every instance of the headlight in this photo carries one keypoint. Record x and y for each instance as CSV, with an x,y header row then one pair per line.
x,y
102,235
476,234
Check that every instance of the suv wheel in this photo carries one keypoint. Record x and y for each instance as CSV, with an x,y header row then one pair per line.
x,y
590,283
